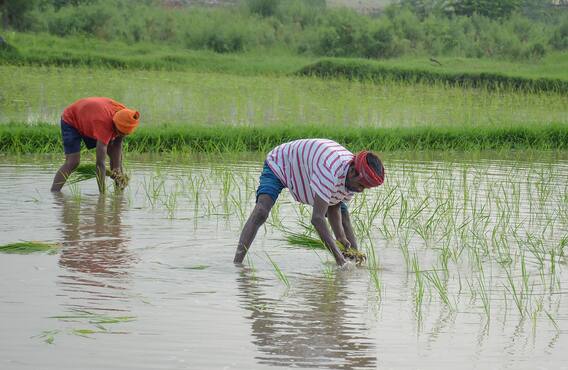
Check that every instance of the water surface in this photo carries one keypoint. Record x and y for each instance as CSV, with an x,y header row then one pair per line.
x,y
145,279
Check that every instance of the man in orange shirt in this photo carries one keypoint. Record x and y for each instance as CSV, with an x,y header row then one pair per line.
x,y
100,123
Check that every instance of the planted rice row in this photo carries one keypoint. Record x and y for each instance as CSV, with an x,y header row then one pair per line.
x,y
46,138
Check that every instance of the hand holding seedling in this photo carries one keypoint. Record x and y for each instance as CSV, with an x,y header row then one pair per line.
x,y
353,255
120,179
344,243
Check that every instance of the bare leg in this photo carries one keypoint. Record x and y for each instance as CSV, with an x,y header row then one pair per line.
x,y
71,162
254,222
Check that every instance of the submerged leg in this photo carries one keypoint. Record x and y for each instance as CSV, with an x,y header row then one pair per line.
x,y
254,222
71,162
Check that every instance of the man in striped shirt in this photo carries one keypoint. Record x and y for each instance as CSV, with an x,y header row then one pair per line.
x,y
318,172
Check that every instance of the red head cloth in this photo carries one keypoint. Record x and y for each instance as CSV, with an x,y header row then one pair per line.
x,y
369,178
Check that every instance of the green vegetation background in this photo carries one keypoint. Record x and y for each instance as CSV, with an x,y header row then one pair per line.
x,y
159,34
516,44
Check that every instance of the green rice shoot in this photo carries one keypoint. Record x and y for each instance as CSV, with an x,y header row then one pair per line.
x,y
89,171
307,240
82,173
28,247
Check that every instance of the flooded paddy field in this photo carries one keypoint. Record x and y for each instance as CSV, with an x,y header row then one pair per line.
x,y
39,94
467,268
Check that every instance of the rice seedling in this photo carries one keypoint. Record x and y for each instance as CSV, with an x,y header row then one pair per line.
x,y
197,267
85,333
552,320
328,272
373,266
303,240
239,206
419,287
86,172
154,187
279,273
48,336
28,247
251,267
97,320
93,318
170,202
76,193
518,294
485,297
441,287
82,173
307,240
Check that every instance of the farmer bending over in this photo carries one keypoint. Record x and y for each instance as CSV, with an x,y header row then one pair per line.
x,y
100,123
318,172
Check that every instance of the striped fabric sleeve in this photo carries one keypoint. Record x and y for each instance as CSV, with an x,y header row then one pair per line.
x,y
321,188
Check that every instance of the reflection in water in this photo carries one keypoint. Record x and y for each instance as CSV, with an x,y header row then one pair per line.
x,y
319,329
95,258
93,236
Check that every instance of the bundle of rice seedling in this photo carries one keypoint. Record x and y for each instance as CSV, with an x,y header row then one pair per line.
x,y
82,173
120,179
303,240
354,255
307,240
89,171
28,247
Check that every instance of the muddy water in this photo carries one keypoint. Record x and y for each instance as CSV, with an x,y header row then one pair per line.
x,y
144,279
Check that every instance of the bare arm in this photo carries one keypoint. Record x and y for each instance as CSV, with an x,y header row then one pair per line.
x,y
335,220
114,152
319,222
348,228
101,169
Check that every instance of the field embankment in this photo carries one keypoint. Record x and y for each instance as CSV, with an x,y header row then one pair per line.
x,y
25,49
371,71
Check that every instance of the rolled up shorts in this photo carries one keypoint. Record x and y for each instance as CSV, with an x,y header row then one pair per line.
x,y
271,185
72,139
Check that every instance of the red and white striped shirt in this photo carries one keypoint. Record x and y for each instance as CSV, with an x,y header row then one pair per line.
x,y
312,166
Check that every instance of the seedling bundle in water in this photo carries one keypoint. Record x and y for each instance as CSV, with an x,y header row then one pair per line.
x,y
28,248
89,171
307,241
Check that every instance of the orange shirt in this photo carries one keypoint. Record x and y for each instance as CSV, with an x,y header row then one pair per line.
x,y
92,117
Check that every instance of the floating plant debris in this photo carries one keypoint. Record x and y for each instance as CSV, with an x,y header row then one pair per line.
x,y
28,247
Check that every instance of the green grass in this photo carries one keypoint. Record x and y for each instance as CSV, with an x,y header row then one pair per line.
x,y
39,94
46,138
492,77
28,247
553,66
49,50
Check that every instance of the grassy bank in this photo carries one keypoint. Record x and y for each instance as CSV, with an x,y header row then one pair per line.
x,y
46,138
379,72
80,51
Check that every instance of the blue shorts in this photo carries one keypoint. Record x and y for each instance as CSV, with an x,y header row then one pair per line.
x,y
271,185
72,139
